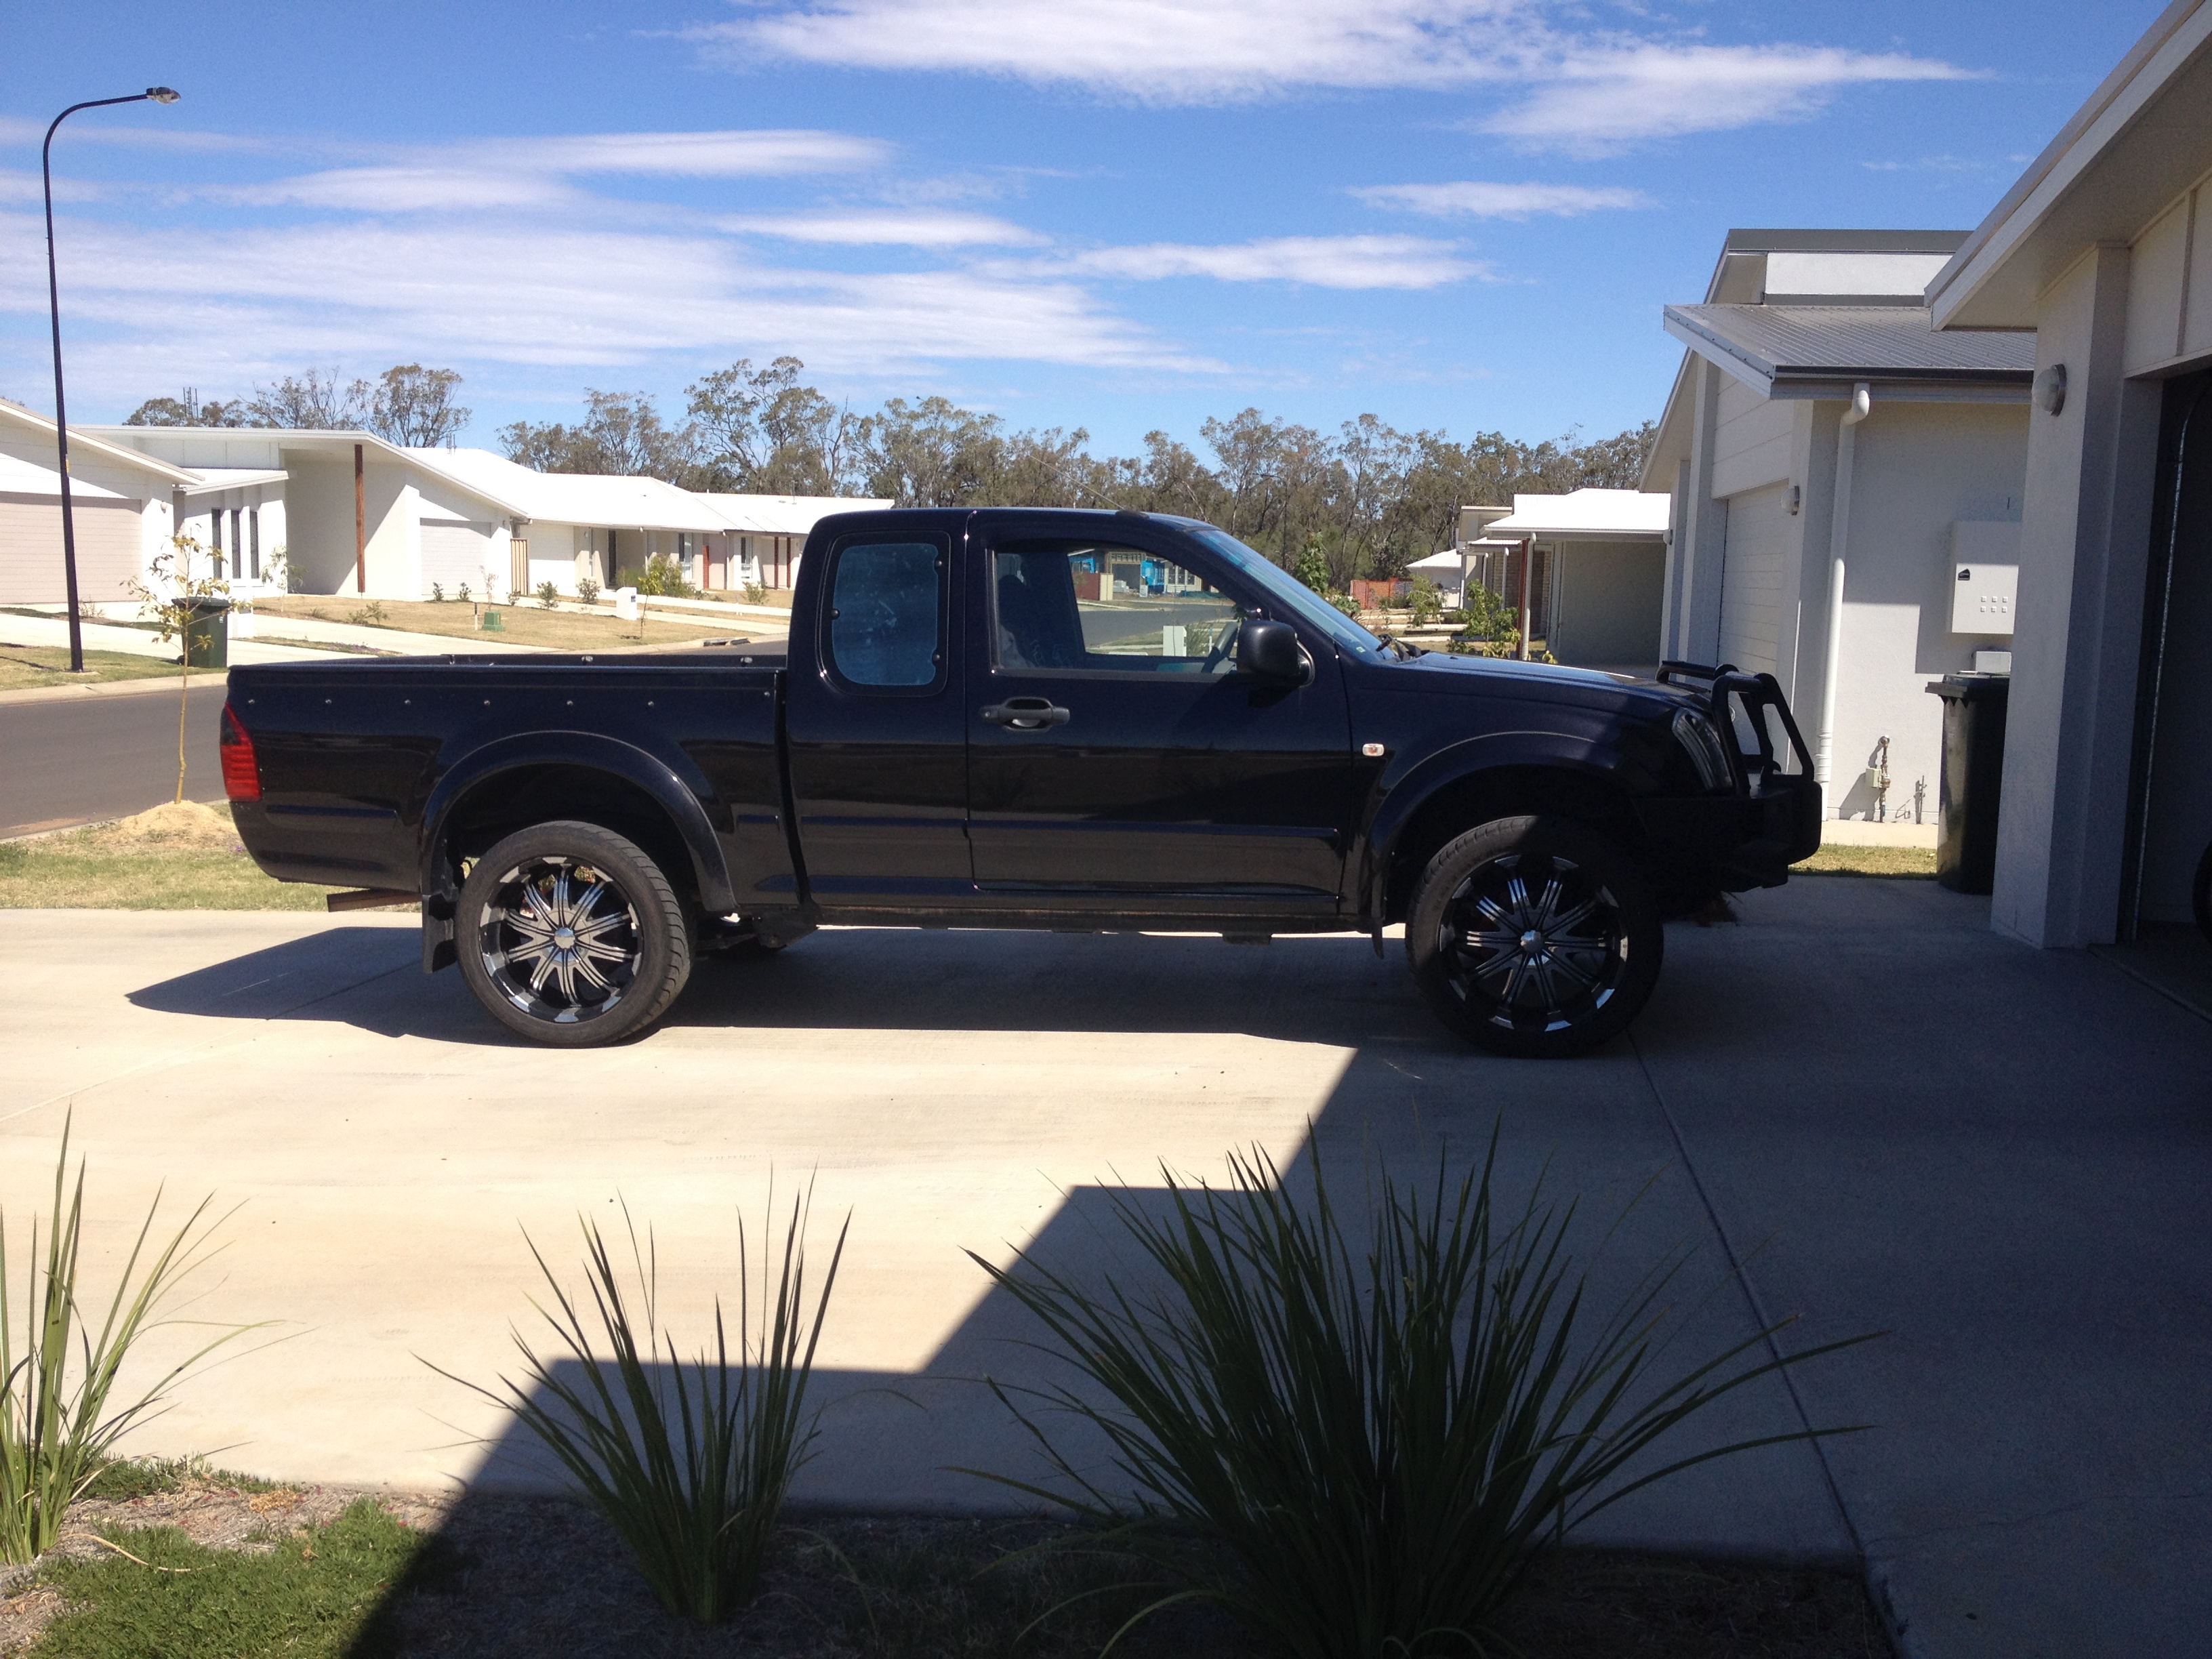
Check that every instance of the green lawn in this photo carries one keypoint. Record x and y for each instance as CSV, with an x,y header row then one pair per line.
x,y
317,1595
1868,861
24,667
192,862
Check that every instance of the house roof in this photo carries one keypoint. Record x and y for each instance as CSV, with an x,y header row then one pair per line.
x,y
87,441
614,501
210,449
2139,142
213,479
781,515
1587,514
1819,351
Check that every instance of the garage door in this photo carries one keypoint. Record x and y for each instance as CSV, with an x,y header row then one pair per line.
x,y
1751,580
109,546
455,555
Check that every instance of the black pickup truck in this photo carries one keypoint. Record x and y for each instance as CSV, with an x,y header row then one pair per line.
x,y
1082,721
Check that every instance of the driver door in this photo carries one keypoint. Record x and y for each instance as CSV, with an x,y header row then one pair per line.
x,y
1114,752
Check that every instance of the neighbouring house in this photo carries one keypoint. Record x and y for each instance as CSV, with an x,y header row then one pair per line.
x,y
359,515
2104,247
1846,486
351,513
584,526
1588,567
125,511
1446,570
763,536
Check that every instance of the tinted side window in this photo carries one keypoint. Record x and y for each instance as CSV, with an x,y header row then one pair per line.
x,y
887,613
1101,608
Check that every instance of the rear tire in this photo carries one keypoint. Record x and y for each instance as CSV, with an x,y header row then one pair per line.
x,y
1533,937
569,934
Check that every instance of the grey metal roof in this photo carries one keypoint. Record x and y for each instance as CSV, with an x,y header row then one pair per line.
x,y
1808,349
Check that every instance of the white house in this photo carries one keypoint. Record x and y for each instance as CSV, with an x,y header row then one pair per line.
x,y
351,513
763,534
2104,247
1847,485
571,526
124,512
358,515
1590,566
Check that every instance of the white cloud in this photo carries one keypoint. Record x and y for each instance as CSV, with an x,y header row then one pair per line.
x,y
1597,103
1345,262
737,155
532,172
886,228
371,289
1477,199
1586,90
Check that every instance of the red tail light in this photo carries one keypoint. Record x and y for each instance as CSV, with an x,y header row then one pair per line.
x,y
241,772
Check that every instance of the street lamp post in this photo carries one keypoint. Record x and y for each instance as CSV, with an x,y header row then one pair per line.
x,y
160,95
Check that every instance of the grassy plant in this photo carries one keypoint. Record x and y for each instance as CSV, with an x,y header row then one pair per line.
x,y
1844,859
59,1421
688,1463
1369,1448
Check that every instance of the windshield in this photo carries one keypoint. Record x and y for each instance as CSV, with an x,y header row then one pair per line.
x,y
1292,595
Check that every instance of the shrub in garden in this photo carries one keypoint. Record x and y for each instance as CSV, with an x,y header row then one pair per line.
x,y
437,593
587,590
548,595
59,1422
1357,1445
688,1462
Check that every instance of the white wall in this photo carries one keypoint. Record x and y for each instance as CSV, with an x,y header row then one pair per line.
x,y
1918,467
2077,635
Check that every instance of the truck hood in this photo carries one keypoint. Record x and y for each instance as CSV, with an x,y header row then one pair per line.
x,y
1534,682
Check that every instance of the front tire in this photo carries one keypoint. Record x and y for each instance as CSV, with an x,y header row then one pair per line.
x,y
1533,937
570,935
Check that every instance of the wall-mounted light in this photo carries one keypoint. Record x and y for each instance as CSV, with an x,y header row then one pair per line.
x,y
1796,499
2051,389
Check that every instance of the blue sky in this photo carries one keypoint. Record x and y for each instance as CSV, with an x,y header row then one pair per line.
x,y
1116,214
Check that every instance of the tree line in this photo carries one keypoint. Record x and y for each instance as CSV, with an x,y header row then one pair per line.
x,y
1364,500
407,404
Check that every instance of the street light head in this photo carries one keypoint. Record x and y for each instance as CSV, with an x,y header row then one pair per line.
x,y
163,94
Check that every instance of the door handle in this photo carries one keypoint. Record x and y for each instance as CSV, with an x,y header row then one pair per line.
x,y
1026,713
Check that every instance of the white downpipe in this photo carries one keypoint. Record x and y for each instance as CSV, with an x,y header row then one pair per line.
x,y
1840,541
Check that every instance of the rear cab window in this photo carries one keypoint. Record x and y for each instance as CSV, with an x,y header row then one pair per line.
x,y
883,626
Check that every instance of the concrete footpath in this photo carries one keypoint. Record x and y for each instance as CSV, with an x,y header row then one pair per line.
x,y
1892,1119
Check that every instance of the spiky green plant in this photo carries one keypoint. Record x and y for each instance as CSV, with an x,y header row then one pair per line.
x,y
688,1463
1359,1458
58,1427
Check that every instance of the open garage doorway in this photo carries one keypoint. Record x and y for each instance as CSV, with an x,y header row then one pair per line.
x,y
2169,808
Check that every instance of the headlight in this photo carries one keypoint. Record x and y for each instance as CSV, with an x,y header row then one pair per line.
x,y
1696,734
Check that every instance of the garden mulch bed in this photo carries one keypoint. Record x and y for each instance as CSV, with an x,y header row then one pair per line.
x,y
509,1575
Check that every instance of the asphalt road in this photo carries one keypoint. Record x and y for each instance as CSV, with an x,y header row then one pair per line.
x,y
69,762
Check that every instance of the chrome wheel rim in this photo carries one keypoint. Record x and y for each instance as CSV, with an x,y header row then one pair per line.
x,y
1532,942
560,940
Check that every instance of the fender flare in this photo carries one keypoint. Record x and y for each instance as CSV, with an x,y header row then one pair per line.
x,y
1399,796
676,795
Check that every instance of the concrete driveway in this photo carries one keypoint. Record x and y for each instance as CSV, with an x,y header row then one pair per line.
x,y
1892,1119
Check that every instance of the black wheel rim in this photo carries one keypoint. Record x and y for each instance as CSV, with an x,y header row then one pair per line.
x,y
1533,942
560,939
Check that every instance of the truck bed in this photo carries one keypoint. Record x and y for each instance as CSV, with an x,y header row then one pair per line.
x,y
359,761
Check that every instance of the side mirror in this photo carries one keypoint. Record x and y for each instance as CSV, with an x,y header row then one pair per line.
x,y
1270,651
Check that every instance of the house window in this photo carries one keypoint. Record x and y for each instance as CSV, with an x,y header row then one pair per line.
x,y
215,539
253,540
